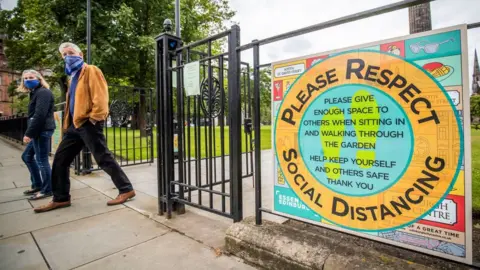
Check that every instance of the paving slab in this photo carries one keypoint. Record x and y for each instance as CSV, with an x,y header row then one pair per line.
x,y
74,195
21,252
149,188
76,243
13,162
9,207
164,253
208,231
14,194
24,182
26,221
6,184
142,203
137,173
96,182
203,228
15,174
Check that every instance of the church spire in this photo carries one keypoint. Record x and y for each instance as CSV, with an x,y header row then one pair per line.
x,y
476,76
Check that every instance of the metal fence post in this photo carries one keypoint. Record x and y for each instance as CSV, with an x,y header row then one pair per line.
x,y
236,202
180,208
159,86
256,123
167,123
152,125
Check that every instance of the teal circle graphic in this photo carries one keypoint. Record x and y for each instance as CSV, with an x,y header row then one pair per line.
x,y
323,141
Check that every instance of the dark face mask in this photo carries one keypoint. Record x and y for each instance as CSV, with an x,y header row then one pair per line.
x,y
31,84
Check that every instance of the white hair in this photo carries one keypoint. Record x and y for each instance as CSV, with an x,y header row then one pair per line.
x,y
69,45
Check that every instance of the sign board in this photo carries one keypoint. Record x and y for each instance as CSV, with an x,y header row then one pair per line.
x,y
191,77
374,141
57,133
174,74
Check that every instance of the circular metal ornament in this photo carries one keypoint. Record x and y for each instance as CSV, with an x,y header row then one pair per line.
x,y
120,112
210,98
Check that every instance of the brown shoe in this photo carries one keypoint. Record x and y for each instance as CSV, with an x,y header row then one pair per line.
x,y
51,206
121,198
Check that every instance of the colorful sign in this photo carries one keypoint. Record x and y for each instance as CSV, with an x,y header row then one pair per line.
x,y
371,141
57,133
175,143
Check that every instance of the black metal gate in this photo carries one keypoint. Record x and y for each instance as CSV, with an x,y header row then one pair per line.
x,y
209,134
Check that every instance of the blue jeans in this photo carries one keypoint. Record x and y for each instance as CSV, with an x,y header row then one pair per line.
x,y
39,167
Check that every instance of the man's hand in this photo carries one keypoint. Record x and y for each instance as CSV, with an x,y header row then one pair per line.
x,y
26,139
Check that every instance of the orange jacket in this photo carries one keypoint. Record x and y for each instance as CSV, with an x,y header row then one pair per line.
x,y
91,98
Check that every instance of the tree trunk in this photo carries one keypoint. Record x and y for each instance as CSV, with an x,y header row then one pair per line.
x,y
142,121
140,107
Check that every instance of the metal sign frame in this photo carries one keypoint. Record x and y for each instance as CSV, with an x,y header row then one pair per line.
x,y
467,143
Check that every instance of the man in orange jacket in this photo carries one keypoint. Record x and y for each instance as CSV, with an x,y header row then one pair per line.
x,y
85,113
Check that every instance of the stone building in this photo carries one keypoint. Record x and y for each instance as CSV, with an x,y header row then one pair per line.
x,y
420,18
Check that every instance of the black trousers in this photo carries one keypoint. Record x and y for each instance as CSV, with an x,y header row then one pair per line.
x,y
71,145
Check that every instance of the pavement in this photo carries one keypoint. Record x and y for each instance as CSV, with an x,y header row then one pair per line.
x,y
92,235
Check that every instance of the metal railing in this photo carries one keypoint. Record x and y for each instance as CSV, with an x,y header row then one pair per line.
x,y
13,127
128,129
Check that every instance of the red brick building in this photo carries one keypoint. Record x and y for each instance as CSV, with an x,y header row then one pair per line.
x,y
6,77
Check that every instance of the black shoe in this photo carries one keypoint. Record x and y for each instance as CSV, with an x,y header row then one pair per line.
x,y
31,191
40,195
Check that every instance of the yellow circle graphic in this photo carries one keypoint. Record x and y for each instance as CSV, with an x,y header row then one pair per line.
x,y
435,126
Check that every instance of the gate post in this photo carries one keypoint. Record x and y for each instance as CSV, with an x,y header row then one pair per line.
x,y
256,123
235,109
166,46
158,121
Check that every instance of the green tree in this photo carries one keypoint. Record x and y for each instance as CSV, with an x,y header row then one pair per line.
x,y
123,33
19,100
475,110
265,94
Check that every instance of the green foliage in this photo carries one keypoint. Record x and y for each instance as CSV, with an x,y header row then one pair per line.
x,y
20,103
121,139
123,33
476,171
265,94
475,105
475,110
12,89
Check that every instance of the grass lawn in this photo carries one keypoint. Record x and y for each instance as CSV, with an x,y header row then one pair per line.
x,y
476,170
123,141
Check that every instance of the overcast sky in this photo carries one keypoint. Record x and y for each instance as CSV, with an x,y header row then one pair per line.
x,y
259,19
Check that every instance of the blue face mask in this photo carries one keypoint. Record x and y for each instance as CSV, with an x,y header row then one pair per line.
x,y
72,63
31,84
